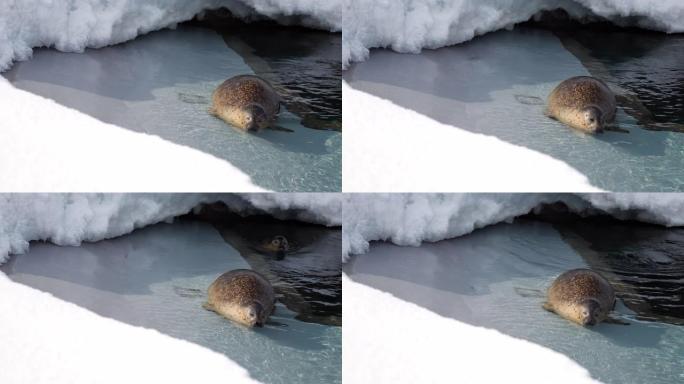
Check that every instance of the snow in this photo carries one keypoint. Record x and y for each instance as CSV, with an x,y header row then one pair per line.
x,y
389,148
411,25
69,219
410,219
436,349
59,342
76,24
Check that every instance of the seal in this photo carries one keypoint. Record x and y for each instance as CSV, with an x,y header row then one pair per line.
x,y
277,245
583,102
247,102
243,296
581,296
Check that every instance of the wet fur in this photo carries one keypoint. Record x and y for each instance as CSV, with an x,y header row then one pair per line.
x,y
231,293
571,288
236,93
568,100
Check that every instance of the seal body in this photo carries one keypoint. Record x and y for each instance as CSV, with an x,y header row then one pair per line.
x,y
581,296
247,102
582,102
243,296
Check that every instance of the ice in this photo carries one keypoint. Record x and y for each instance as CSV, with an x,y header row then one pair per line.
x,y
475,279
69,219
411,25
161,84
485,86
157,278
73,25
410,219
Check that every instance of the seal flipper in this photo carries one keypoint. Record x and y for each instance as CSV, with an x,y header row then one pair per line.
x,y
208,306
615,128
281,129
529,100
548,307
528,292
614,320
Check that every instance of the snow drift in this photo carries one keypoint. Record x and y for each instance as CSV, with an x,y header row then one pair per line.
x,y
73,25
69,219
410,219
411,25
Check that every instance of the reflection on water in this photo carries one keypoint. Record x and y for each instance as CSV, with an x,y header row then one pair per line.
x,y
308,278
478,278
644,263
157,277
161,84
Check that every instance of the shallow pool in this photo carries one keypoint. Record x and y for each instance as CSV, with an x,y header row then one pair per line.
x,y
161,84
497,85
493,278
151,277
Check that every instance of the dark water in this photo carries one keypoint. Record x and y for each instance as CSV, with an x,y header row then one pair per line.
x,y
644,263
305,64
308,277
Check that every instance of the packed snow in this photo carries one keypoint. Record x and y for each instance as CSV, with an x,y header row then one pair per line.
x,y
390,148
72,26
436,349
59,342
410,219
411,25
69,219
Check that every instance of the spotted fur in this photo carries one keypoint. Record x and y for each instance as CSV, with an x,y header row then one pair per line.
x,y
232,99
571,289
233,292
568,101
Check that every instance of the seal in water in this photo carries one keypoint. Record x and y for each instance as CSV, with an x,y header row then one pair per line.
x,y
247,102
278,245
243,296
582,102
582,296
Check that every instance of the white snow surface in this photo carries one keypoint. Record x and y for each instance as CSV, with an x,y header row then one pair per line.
x,y
410,219
436,349
411,25
69,219
47,340
73,25
389,148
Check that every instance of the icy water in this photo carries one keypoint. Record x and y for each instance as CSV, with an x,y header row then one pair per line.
x,y
150,278
493,277
162,83
497,85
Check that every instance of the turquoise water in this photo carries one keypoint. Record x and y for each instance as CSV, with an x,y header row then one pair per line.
x,y
151,277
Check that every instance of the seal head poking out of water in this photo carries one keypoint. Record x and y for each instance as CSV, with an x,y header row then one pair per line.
x,y
243,296
582,102
247,102
581,296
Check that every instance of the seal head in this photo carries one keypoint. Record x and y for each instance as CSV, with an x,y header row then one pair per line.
x,y
590,312
593,119
254,118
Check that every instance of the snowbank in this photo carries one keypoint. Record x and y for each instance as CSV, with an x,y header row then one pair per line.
x,y
435,349
389,148
69,219
410,25
410,219
78,24
47,340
